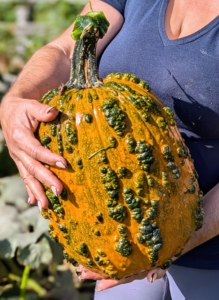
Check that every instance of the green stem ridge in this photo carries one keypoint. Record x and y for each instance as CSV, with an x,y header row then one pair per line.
x,y
87,31
91,8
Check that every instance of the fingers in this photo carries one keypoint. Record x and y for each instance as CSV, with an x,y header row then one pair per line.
x,y
27,151
38,171
36,151
155,273
31,156
31,198
151,276
23,133
84,274
34,188
40,112
109,283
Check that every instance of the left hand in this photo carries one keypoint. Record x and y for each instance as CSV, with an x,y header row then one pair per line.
x,y
107,283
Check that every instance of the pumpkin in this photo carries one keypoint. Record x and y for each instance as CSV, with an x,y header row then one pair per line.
x,y
131,199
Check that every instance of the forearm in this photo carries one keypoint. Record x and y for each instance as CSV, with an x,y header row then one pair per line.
x,y
211,220
48,68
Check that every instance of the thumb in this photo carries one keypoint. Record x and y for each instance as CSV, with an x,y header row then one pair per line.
x,y
105,284
41,112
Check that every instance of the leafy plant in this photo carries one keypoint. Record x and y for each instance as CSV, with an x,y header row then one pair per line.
x,y
47,24
31,265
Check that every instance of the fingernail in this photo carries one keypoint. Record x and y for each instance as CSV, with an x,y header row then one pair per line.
x,y
49,109
54,190
39,205
60,164
28,200
153,277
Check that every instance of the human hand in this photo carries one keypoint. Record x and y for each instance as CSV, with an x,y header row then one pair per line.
x,y
106,283
19,119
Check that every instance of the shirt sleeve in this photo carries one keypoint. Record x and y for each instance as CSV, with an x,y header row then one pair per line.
x,y
117,4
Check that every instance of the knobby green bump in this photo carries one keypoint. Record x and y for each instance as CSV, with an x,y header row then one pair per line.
x,y
134,204
118,213
144,154
123,247
114,115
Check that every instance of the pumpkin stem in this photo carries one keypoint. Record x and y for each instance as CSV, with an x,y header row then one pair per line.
x,y
87,31
91,8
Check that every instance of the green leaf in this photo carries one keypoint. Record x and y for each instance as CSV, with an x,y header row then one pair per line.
x,y
89,21
100,19
34,255
9,222
10,226
15,229
32,217
16,196
8,248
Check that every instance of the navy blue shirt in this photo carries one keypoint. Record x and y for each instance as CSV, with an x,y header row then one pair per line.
x,y
184,74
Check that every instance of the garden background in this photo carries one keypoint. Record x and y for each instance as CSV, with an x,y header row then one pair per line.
x,y
31,265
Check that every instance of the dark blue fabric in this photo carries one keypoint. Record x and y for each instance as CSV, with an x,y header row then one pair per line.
x,y
184,74
119,5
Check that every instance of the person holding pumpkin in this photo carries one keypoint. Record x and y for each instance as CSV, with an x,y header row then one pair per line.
x,y
173,45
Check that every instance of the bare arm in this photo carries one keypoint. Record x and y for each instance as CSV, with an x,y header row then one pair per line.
x,y
20,113
211,220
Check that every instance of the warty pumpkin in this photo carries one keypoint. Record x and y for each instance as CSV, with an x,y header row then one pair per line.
x,y
131,199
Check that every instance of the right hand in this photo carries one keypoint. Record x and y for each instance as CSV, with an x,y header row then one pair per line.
x,y
19,119
106,282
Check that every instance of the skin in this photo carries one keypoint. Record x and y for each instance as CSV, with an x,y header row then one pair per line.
x,y
183,17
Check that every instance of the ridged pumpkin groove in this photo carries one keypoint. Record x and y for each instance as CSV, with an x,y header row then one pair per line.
x,y
131,199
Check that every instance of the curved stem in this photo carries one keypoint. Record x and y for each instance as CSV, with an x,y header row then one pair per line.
x,y
31,284
91,8
88,29
23,285
84,72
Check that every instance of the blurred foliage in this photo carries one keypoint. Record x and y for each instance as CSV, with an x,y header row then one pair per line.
x,y
7,13
60,15
46,20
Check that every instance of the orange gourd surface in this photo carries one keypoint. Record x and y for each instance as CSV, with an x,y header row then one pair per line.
x,y
131,199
